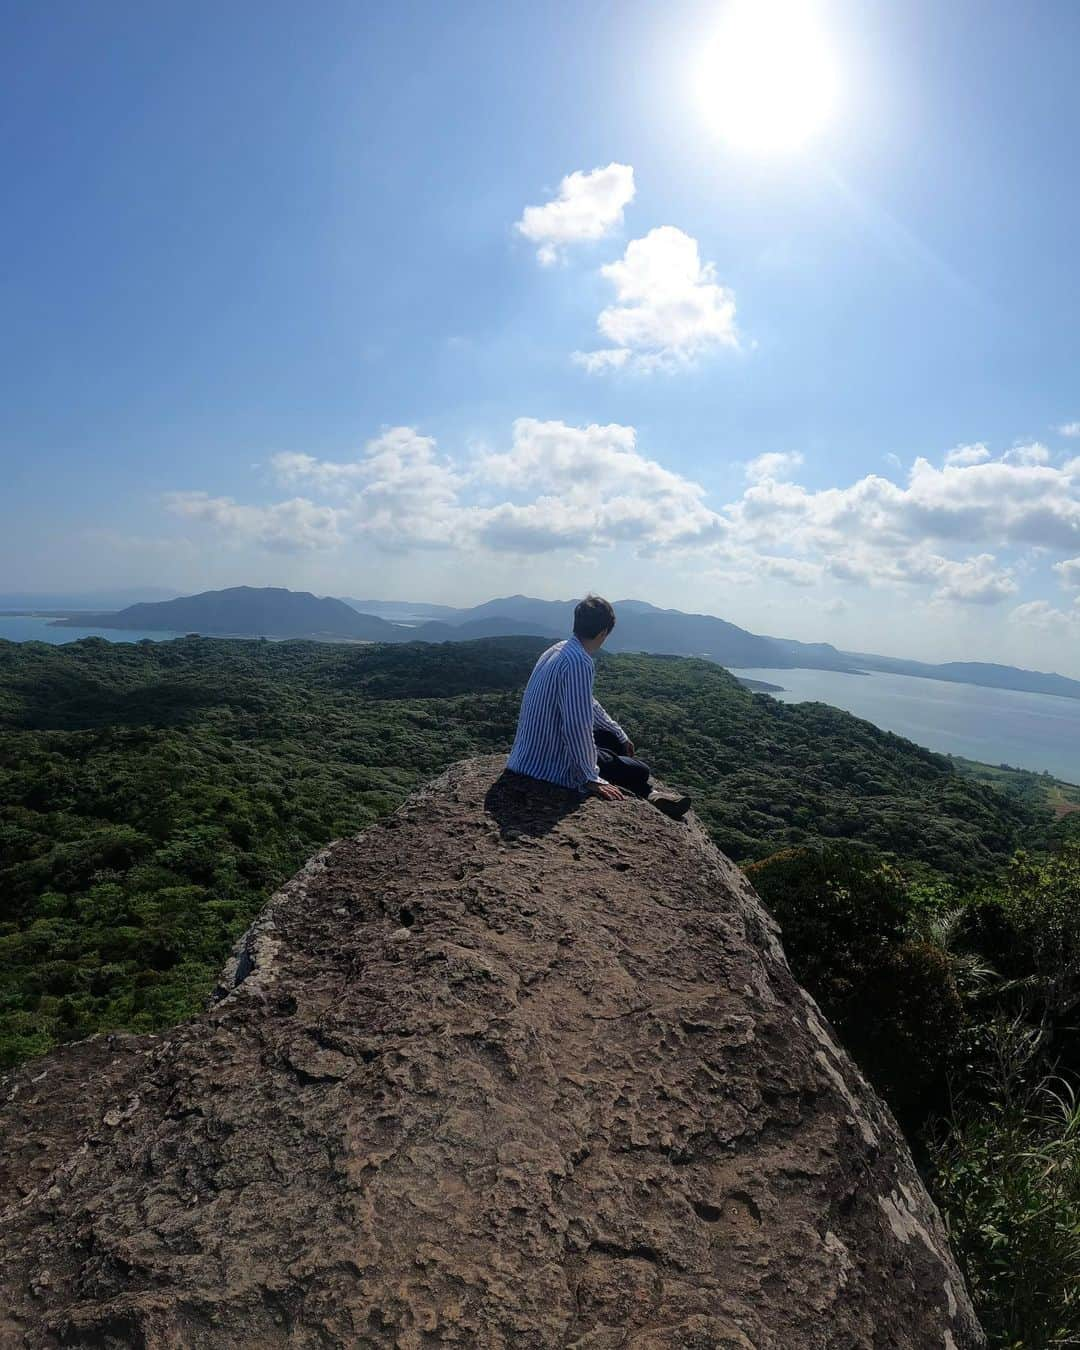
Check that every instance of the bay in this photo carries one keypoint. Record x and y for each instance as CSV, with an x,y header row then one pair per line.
x,y
35,628
997,726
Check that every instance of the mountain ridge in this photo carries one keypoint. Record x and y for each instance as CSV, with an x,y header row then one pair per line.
x,y
278,612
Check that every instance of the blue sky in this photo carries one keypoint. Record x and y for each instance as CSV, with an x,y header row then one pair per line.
x,y
271,317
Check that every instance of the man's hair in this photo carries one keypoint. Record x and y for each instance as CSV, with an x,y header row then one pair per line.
x,y
592,616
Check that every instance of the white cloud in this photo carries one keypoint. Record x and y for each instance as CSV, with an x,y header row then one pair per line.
x,y
996,504
588,206
1027,454
670,307
964,534
973,581
399,490
608,358
1069,572
1042,616
776,465
967,454
567,487
970,581
294,526
593,478
1071,429
794,570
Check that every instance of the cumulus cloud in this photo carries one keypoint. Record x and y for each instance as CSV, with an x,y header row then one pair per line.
x,y
604,359
294,526
967,454
1071,429
1027,454
565,487
399,490
998,503
965,533
1069,572
797,571
973,581
976,580
776,465
595,475
588,206
670,307
1042,616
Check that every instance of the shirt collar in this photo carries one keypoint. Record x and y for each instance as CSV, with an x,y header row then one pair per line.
x,y
575,644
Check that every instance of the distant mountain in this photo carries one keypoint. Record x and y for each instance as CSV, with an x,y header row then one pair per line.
x,y
973,672
250,611
404,611
496,626
557,615
646,628
641,627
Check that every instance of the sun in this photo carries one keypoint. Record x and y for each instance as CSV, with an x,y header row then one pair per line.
x,y
767,80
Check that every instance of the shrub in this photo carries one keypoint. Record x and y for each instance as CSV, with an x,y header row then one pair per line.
x,y
1008,1184
894,1001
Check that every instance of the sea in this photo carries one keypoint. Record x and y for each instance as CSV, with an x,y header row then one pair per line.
x,y
997,726
36,628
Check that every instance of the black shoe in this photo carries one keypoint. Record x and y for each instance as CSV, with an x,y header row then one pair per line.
x,y
672,804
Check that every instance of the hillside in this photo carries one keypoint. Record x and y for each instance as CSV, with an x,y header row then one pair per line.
x,y
152,794
507,1070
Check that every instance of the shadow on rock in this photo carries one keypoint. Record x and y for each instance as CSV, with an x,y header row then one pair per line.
x,y
529,806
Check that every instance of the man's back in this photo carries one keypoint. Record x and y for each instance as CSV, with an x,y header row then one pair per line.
x,y
554,738
561,725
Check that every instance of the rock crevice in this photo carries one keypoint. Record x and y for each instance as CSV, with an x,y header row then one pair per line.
x,y
508,1069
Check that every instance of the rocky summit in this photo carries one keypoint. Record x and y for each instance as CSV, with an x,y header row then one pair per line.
x,y
508,1069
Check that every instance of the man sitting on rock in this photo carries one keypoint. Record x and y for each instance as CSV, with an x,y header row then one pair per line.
x,y
564,736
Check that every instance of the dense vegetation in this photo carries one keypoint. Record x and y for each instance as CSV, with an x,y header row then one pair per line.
x,y
152,795
1038,790
960,1003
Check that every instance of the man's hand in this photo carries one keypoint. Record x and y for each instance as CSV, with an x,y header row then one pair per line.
x,y
606,790
628,747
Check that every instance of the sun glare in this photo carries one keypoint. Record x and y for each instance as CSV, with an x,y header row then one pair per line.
x,y
767,78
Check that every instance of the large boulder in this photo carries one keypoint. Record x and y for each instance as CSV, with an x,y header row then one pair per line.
x,y
508,1069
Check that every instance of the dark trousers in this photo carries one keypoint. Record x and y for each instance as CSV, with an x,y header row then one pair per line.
x,y
622,770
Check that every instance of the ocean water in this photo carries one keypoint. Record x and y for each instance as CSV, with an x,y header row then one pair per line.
x,y
997,726
33,628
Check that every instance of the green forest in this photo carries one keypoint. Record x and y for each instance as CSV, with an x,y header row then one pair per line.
x,y
153,795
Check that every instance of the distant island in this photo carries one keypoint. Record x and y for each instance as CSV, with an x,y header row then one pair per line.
x,y
273,611
246,611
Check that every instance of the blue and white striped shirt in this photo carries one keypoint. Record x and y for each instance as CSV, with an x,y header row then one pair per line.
x,y
554,738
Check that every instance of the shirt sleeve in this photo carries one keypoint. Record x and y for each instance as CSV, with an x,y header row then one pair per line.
x,y
606,722
576,717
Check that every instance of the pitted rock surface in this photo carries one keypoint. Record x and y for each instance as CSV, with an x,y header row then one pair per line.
x,y
508,1069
